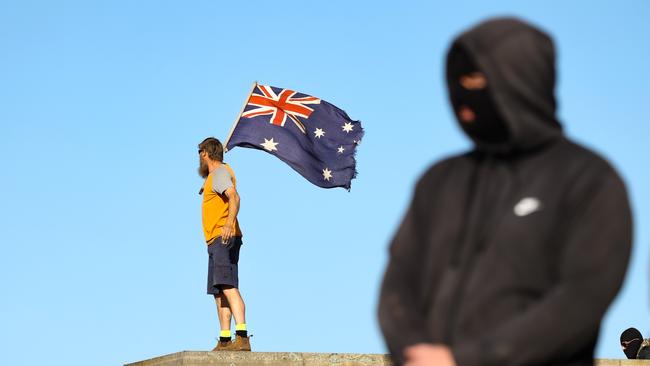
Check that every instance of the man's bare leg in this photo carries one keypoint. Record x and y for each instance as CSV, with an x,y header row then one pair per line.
x,y
223,310
236,303
238,309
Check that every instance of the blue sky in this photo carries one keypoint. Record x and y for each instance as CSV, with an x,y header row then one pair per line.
x,y
102,104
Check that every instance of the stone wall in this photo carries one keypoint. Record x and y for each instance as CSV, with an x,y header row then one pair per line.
x,y
193,358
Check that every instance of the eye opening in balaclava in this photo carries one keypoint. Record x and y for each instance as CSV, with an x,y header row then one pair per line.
x,y
469,91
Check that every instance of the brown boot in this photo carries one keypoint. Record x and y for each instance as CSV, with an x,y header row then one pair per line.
x,y
241,344
223,346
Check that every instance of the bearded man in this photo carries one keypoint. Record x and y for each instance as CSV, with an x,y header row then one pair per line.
x,y
224,239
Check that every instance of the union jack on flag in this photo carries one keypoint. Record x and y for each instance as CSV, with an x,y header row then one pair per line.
x,y
319,142
280,106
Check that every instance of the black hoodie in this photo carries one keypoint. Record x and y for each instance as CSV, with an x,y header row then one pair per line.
x,y
509,254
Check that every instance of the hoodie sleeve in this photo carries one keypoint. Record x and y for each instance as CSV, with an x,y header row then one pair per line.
x,y
591,269
400,315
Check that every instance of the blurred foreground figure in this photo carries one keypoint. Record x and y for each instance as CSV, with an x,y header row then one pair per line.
x,y
509,254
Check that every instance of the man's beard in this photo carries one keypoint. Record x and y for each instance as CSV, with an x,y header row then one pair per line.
x,y
204,171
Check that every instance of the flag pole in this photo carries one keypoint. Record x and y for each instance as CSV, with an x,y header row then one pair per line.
x,y
238,117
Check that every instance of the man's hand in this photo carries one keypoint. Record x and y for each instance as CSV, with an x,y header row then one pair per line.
x,y
425,354
227,231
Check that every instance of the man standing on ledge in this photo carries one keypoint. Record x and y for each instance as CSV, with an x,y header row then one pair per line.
x,y
223,236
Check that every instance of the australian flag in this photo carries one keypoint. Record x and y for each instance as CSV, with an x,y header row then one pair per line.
x,y
317,139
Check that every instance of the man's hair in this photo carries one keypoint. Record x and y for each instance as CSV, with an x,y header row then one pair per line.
x,y
213,148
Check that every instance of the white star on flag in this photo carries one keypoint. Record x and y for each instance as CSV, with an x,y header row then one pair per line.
x,y
327,174
347,127
341,150
269,145
319,133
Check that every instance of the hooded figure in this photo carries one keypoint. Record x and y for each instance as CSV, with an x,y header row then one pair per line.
x,y
631,340
511,253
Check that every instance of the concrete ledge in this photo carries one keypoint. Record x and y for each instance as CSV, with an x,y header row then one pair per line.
x,y
226,358
606,362
223,358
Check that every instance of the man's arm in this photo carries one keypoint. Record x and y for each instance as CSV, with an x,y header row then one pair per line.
x,y
567,319
400,316
222,184
228,230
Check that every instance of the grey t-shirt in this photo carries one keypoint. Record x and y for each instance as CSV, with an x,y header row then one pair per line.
x,y
221,180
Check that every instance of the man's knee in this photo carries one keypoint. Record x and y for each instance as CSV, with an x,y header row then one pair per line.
x,y
231,293
226,289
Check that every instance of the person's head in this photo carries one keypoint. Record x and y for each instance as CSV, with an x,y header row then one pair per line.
x,y
631,340
210,152
501,81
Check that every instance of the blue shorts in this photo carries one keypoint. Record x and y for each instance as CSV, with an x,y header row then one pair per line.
x,y
222,264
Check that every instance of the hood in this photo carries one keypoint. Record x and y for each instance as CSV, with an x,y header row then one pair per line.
x,y
518,61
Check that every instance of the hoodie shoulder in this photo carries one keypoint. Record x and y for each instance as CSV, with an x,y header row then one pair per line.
x,y
584,160
588,172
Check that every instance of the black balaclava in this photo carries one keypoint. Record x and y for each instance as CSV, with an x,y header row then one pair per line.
x,y
488,126
631,340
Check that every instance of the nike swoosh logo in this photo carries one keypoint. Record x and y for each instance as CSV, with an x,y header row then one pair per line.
x,y
527,206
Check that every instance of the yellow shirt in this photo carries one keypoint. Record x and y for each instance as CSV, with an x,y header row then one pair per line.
x,y
215,207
